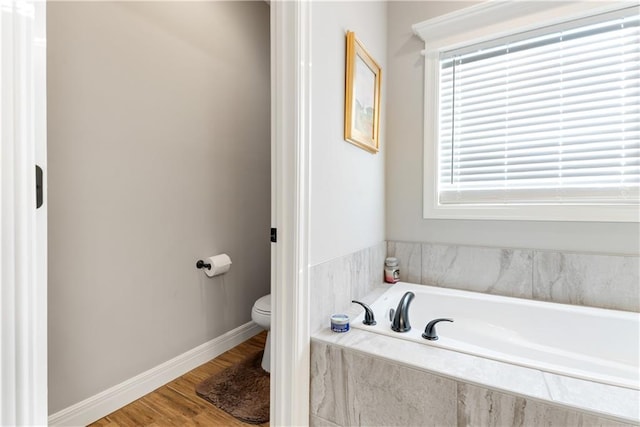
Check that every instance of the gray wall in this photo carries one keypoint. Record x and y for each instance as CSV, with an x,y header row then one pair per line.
x,y
347,183
404,171
159,153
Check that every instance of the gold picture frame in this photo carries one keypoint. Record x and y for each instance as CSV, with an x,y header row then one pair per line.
x,y
362,96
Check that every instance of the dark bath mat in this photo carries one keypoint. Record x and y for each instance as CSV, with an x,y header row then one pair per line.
x,y
241,390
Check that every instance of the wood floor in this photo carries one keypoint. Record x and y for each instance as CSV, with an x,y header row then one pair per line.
x,y
177,404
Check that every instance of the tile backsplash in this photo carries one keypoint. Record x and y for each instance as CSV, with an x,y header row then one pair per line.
x,y
495,271
333,284
606,281
594,280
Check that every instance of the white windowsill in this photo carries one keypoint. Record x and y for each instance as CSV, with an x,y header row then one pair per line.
x,y
534,213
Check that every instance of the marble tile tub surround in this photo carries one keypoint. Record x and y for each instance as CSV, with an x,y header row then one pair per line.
x,y
484,392
478,406
333,284
595,280
350,388
605,281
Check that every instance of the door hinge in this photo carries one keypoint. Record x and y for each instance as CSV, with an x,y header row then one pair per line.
x,y
274,235
39,187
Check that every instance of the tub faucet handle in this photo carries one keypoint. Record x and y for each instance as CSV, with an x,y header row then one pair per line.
x,y
369,319
430,331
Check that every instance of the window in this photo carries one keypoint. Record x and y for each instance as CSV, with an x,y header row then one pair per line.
x,y
542,123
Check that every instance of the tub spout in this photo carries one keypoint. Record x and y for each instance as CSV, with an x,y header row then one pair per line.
x,y
400,321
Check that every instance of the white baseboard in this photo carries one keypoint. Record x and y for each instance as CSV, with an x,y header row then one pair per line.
x,y
104,403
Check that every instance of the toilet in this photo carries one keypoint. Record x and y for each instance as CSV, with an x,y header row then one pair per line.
x,y
261,314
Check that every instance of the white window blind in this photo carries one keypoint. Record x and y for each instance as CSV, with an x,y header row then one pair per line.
x,y
550,116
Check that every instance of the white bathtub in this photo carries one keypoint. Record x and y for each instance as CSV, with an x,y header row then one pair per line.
x,y
588,343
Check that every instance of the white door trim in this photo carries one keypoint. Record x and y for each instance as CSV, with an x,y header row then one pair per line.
x,y
290,140
23,233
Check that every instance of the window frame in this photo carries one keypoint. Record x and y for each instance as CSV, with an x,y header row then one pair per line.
x,y
494,20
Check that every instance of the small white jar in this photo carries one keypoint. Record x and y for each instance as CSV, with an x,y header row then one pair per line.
x,y
340,323
391,270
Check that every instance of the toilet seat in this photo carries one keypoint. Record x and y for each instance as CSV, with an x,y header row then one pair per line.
x,y
262,319
263,305
261,315
261,312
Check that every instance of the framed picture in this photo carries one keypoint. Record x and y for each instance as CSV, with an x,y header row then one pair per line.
x,y
362,96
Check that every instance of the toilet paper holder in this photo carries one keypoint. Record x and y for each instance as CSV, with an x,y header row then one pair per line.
x,y
202,264
215,265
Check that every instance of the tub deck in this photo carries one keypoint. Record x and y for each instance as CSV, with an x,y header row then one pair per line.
x,y
582,342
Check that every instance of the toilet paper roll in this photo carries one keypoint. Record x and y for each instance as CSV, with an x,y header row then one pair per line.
x,y
220,264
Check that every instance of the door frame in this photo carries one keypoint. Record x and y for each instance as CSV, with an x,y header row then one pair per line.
x,y
23,227
290,145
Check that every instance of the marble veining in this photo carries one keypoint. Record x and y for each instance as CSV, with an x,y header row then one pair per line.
x,y
490,270
333,284
329,291
416,398
359,272
315,421
594,397
478,406
451,364
588,398
594,280
377,254
374,392
328,393
605,281
409,260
